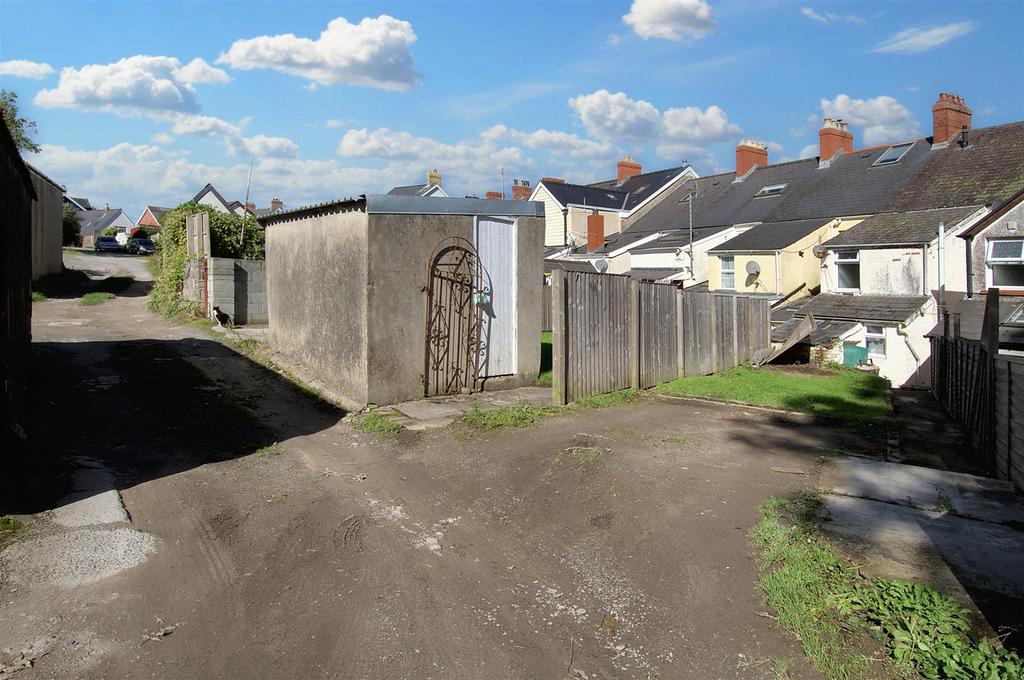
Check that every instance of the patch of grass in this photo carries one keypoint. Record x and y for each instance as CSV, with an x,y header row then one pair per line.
x,y
96,298
377,424
586,455
523,415
268,451
544,379
38,296
823,601
11,529
843,394
610,399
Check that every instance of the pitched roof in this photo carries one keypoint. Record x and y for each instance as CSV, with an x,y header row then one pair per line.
x,y
610,195
917,226
989,169
157,212
652,273
969,315
33,169
770,236
84,202
579,194
409,190
209,188
984,223
851,185
677,238
92,221
824,333
890,308
738,204
639,188
570,265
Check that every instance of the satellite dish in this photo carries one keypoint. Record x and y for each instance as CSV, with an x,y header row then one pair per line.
x,y
601,265
820,251
753,268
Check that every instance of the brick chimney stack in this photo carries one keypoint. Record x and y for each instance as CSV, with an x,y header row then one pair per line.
x,y
950,114
495,196
276,204
595,231
521,190
834,136
627,168
250,207
750,154
433,178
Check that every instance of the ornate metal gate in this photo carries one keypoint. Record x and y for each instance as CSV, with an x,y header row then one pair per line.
x,y
454,318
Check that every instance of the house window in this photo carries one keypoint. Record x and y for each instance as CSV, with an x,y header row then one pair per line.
x,y
729,272
894,154
848,268
1006,264
770,190
874,338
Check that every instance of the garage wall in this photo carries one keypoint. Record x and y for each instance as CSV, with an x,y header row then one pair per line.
x,y
47,228
239,288
316,271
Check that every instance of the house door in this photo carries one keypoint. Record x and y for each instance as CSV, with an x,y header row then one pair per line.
x,y
496,246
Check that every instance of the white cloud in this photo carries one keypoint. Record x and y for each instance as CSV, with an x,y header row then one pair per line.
x,y
883,119
339,122
372,53
830,17
20,68
488,103
809,151
271,147
554,142
617,118
233,137
199,71
135,85
913,40
204,126
613,40
670,19
163,139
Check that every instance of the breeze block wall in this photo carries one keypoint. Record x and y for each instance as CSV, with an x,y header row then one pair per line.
x,y
239,288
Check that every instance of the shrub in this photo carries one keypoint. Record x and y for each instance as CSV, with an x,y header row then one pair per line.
x,y
72,227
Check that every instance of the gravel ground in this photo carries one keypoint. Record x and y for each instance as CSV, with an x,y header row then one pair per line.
x,y
280,543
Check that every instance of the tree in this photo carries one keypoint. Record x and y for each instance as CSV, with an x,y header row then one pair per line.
x,y
109,231
22,129
72,227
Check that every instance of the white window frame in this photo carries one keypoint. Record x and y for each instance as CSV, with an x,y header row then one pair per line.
x,y
874,332
990,261
855,260
769,190
910,145
731,270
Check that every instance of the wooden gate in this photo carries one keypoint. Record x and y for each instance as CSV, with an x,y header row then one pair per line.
x,y
453,318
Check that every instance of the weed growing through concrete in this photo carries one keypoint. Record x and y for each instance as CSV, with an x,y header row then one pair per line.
x,y
586,455
11,529
526,415
944,501
268,451
377,424
96,298
38,296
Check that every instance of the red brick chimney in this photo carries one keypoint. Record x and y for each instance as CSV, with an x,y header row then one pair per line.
x,y
834,136
627,168
251,207
553,180
750,154
276,204
595,231
521,190
495,196
949,115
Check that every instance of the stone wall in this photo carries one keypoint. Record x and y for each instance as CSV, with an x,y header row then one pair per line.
x,y
238,287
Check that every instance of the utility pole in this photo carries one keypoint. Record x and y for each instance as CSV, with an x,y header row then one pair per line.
x,y
245,204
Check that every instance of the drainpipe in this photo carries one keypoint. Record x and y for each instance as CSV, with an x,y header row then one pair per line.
x,y
565,226
942,268
970,268
902,330
778,275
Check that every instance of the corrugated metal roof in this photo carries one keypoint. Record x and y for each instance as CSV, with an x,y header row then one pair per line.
x,y
386,204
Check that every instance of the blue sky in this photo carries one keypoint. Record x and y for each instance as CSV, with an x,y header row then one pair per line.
x,y
335,99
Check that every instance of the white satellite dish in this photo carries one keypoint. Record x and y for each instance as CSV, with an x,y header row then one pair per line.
x,y
820,251
753,268
601,265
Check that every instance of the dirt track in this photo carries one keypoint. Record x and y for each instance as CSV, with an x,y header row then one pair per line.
x,y
454,554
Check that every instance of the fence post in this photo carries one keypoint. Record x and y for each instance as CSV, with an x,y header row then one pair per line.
x,y
713,316
633,315
559,334
680,334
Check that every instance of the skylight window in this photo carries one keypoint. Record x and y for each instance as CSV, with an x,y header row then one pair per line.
x,y
894,154
770,190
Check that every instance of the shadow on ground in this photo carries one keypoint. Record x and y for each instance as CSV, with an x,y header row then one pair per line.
x,y
144,412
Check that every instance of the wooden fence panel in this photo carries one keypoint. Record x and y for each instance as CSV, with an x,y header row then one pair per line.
x,y
596,334
695,326
724,327
545,308
657,333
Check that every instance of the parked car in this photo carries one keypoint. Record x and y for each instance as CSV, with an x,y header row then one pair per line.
x,y
141,246
107,244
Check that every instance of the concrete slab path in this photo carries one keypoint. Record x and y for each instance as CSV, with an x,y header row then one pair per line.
x,y
435,412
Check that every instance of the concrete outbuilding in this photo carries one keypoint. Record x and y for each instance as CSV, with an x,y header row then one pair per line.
x,y
389,298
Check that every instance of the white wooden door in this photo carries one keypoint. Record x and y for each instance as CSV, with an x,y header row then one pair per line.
x,y
496,246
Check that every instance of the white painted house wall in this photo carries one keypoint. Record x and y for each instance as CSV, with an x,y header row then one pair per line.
x,y
212,201
899,364
554,225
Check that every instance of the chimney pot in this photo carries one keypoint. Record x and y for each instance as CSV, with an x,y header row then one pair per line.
x,y
950,115
833,137
521,190
595,231
750,154
627,168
